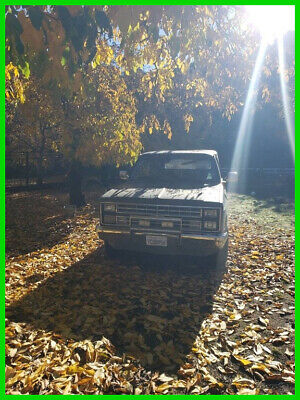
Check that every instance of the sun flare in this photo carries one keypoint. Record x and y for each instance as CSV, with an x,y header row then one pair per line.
x,y
271,21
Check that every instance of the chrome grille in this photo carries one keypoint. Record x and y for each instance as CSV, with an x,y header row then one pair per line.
x,y
159,210
186,219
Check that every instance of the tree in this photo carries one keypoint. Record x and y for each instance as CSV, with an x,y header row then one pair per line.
x,y
15,85
149,44
58,43
100,124
36,125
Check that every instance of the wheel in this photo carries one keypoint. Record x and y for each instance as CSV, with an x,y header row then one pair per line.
x,y
218,261
110,251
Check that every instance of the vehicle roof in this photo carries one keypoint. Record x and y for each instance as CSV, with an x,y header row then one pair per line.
x,y
209,152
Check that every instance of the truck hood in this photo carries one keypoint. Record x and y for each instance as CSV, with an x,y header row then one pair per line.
x,y
139,193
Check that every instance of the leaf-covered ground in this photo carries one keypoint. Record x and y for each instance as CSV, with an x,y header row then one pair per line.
x,y
79,323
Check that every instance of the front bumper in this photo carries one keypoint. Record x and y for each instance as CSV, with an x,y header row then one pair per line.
x,y
189,244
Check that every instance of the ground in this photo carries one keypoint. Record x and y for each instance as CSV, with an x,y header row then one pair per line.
x,y
79,323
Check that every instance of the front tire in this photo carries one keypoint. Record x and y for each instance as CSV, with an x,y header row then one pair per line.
x,y
110,251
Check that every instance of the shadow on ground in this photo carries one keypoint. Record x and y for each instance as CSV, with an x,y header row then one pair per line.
x,y
150,307
34,221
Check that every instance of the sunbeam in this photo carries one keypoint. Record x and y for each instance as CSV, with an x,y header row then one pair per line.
x,y
241,150
285,99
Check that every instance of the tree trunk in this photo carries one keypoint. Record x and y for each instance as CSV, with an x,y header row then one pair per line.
x,y
27,168
76,197
40,171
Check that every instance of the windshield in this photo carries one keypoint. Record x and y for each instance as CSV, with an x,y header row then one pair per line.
x,y
191,169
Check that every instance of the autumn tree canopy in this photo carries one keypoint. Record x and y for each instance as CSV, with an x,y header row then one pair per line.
x,y
120,73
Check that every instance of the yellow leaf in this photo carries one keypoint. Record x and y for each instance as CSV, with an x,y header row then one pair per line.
x,y
162,387
74,369
259,367
84,381
243,361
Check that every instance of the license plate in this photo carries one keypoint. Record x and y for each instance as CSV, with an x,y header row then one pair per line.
x,y
156,241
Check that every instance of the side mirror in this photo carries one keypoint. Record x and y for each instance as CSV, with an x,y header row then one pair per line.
x,y
124,175
232,177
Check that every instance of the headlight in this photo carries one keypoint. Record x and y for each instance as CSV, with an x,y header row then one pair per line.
x,y
211,213
167,224
195,224
210,225
109,207
109,219
144,222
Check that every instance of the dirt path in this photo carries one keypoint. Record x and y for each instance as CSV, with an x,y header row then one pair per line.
x,y
79,323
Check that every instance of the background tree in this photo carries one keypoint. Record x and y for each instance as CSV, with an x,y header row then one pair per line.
x,y
36,126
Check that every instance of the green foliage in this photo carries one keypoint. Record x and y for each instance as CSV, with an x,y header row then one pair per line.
x,y
26,70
